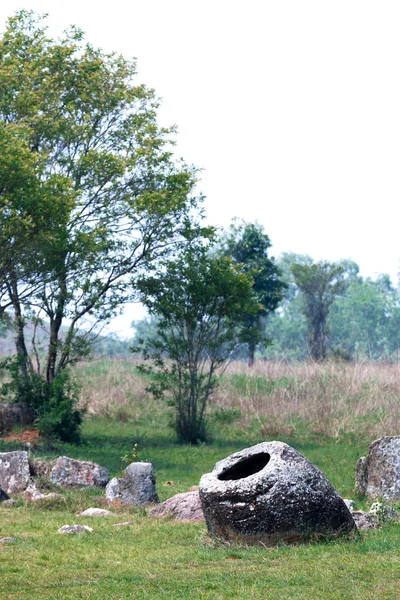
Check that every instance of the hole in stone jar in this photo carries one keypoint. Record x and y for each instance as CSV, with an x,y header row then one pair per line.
x,y
246,467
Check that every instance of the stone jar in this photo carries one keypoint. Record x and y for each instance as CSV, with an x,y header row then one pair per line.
x,y
270,493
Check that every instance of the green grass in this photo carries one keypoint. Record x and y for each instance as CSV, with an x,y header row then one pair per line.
x,y
160,559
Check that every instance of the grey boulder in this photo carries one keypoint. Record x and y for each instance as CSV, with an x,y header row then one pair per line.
x,y
137,486
3,496
68,472
378,474
14,471
270,493
182,507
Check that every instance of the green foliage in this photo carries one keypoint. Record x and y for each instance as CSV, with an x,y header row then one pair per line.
x,y
90,194
198,301
248,246
320,283
55,404
364,323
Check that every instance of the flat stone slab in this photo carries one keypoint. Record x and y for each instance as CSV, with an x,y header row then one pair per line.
x,y
183,507
270,493
74,529
69,472
96,512
14,471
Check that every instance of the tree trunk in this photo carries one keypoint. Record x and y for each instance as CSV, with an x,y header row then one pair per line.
x,y
252,352
19,338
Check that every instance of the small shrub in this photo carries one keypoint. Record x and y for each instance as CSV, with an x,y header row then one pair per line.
x,y
54,404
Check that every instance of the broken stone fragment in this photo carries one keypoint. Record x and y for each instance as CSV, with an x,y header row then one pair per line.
x,y
68,472
183,507
137,486
364,520
378,474
74,529
270,493
96,512
14,471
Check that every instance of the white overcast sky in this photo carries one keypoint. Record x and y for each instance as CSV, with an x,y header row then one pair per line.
x,y
290,107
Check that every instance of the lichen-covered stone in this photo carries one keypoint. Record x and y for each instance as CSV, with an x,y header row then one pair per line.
x,y
68,472
40,467
361,476
14,471
364,520
183,507
268,493
137,486
74,529
378,476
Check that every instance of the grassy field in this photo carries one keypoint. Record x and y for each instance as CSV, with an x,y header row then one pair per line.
x,y
329,413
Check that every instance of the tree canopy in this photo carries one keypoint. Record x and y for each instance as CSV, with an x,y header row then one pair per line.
x,y
92,195
248,246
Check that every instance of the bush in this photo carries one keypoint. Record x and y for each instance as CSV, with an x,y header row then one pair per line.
x,y
54,403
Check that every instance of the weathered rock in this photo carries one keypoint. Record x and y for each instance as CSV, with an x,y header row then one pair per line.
x,y
32,494
378,476
69,472
96,512
3,496
349,503
48,501
14,414
14,471
74,529
364,520
8,540
268,493
9,503
361,476
40,467
183,507
137,486
123,524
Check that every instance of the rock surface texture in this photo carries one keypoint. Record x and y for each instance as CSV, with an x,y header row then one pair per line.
x,y
14,471
137,486
3,496
74,529
69,472
268,493
96,512
378,474
183,507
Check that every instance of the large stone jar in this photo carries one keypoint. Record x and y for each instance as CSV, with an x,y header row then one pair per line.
x,y
268,493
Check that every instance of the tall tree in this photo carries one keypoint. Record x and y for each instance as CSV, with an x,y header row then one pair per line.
x,y
118,200
249,246
320,284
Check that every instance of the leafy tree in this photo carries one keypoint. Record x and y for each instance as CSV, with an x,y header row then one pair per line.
x,y
108,199
248,246
364,322
320,284
198,301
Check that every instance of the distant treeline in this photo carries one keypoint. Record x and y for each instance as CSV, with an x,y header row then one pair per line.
x,y
363,322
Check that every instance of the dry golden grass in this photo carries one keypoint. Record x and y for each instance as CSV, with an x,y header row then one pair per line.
x,y
333,398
